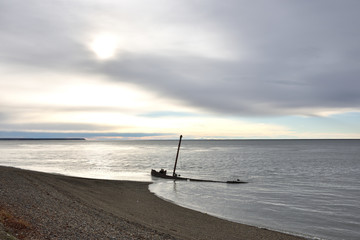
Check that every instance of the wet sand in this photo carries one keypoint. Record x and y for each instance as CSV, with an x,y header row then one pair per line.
x,y
36,205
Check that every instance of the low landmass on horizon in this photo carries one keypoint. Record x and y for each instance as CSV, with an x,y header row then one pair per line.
x,y
6,139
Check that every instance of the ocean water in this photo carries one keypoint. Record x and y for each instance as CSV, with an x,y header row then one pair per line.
x,y
304,187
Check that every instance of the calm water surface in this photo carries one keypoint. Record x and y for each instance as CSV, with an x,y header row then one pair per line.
x,y
304,187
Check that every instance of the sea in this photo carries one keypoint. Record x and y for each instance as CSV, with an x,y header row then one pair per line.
x,y
309,188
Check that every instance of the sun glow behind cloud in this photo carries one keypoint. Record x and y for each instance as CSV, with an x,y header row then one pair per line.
x,y
105,46
200,69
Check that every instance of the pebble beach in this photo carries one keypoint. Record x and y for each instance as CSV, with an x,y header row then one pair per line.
x,y
36,205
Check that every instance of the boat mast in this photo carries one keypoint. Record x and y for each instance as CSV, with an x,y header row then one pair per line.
x,y
177,155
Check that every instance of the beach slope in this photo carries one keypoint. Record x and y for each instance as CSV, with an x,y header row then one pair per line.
x,y
36,205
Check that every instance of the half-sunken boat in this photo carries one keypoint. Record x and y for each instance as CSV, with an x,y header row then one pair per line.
x,y
163,173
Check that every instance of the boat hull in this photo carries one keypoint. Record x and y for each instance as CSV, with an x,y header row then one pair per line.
x,y
165,176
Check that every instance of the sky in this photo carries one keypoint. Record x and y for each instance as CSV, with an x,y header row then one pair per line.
x,y
155,69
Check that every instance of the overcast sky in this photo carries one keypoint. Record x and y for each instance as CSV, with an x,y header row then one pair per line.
x,y
160,68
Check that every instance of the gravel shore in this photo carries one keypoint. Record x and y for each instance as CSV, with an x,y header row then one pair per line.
x,y
36,205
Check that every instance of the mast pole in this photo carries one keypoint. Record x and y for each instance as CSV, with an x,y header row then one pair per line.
x,y
177,155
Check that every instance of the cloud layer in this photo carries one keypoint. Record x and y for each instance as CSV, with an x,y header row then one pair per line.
x,y
242,58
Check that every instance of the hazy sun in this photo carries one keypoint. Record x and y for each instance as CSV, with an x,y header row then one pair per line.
x,y
104,46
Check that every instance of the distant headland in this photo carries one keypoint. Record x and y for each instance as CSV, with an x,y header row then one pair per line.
x,y
62,139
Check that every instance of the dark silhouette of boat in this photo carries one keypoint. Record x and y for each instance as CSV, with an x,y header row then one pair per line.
x,y
163,173
160,174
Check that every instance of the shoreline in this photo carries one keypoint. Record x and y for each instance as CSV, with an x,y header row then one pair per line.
x,y
36,205
299,235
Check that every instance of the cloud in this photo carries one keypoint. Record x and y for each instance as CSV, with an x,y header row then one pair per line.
x,y
56,127
243,58
168,114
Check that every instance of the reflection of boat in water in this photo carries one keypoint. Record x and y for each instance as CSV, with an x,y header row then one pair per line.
x,y
174,176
